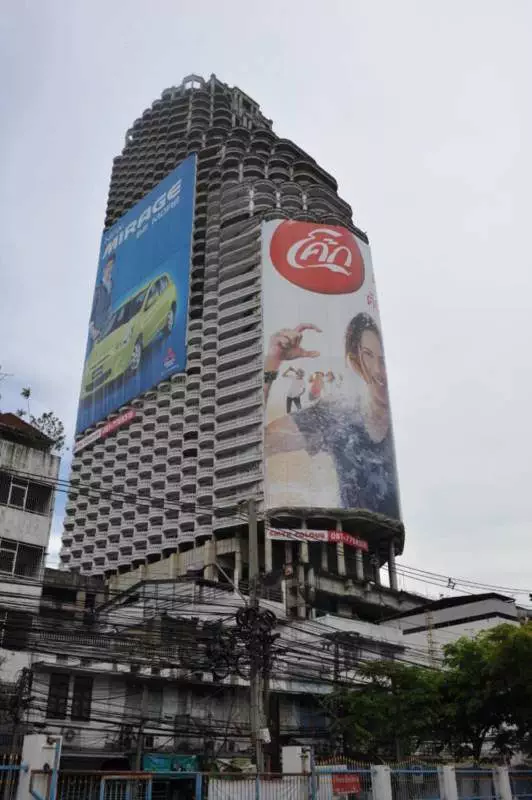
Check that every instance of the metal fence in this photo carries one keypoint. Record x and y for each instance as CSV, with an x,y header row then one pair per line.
x,y
415,783
475,784
521,783
326,782
103,786
10,766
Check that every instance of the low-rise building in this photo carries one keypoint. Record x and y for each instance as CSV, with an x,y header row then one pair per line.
x,y
28,476
434,624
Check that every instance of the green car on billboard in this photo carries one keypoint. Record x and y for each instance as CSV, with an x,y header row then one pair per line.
x,y
138,320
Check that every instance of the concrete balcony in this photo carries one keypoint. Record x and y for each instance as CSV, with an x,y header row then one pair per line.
x,y
204,492
240,355
229,305
236,386
238,479
25,526
225,328
239,406
231,343
228,313
228,284
238,422
236,442
246,457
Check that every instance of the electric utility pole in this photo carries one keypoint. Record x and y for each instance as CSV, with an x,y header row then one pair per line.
x,y
255,678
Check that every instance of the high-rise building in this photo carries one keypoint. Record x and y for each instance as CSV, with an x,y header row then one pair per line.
x,y
170,484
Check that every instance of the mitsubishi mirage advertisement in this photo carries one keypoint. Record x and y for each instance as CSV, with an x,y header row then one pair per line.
x,y
137,326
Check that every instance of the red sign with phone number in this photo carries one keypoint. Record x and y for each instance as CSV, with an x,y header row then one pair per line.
x,y
346,783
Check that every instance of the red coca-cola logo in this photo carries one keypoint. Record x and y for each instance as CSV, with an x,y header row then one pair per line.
x,y
321,258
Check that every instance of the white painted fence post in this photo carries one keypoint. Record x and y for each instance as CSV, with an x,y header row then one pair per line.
x,y
447,781
381,782
501,782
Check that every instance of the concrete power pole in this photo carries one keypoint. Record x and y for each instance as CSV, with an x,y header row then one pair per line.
x,y
255,679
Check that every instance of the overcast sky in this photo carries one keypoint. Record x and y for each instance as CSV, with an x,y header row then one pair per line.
x,y
422,112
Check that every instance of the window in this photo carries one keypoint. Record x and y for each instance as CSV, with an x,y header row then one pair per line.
x,y
152,295
20,559
57,695
14,629
18,493
82,698
23,494
8,551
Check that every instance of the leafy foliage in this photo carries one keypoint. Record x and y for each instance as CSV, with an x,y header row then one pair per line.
x,y
48,423
391,714
483,694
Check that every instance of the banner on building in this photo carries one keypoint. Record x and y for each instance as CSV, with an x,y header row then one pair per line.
x,y
170,762
137,326
313,535
328,432
106,430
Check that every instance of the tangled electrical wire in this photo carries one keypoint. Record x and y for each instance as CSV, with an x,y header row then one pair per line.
x,y
243,648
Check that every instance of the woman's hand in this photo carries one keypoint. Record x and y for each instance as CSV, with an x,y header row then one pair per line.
x,y
285,345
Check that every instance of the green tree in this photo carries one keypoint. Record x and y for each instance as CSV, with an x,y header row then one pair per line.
x,y
26,394
481,697
487,691
391,715
49,424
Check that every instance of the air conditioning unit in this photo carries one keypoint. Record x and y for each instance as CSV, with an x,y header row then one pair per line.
x,y
71,736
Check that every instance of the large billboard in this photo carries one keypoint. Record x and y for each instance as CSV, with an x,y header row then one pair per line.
x,y
137,327
328,438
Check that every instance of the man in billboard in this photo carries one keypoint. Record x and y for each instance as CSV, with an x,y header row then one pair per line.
x,y
102,303
355,432
295,388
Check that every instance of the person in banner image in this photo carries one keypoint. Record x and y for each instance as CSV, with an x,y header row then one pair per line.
x,y
102,303
355,433
295,389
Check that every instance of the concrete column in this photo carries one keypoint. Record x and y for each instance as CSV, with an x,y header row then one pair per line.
x,y
381,782
324,557
501,782
340,554
268,558
301,586
303,546
311,581
376,570
39,749
238,561
392,571
288,553
81,598
211,573
359,565
173,565
447,782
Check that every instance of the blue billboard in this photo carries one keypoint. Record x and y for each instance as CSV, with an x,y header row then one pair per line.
x,y
137,327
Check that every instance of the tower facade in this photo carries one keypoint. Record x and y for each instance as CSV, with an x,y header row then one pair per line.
x,y
172,483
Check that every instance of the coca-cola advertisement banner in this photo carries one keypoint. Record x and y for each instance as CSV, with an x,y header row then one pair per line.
x,y
328,438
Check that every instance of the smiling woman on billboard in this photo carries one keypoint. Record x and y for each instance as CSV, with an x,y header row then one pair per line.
x,y
351,422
